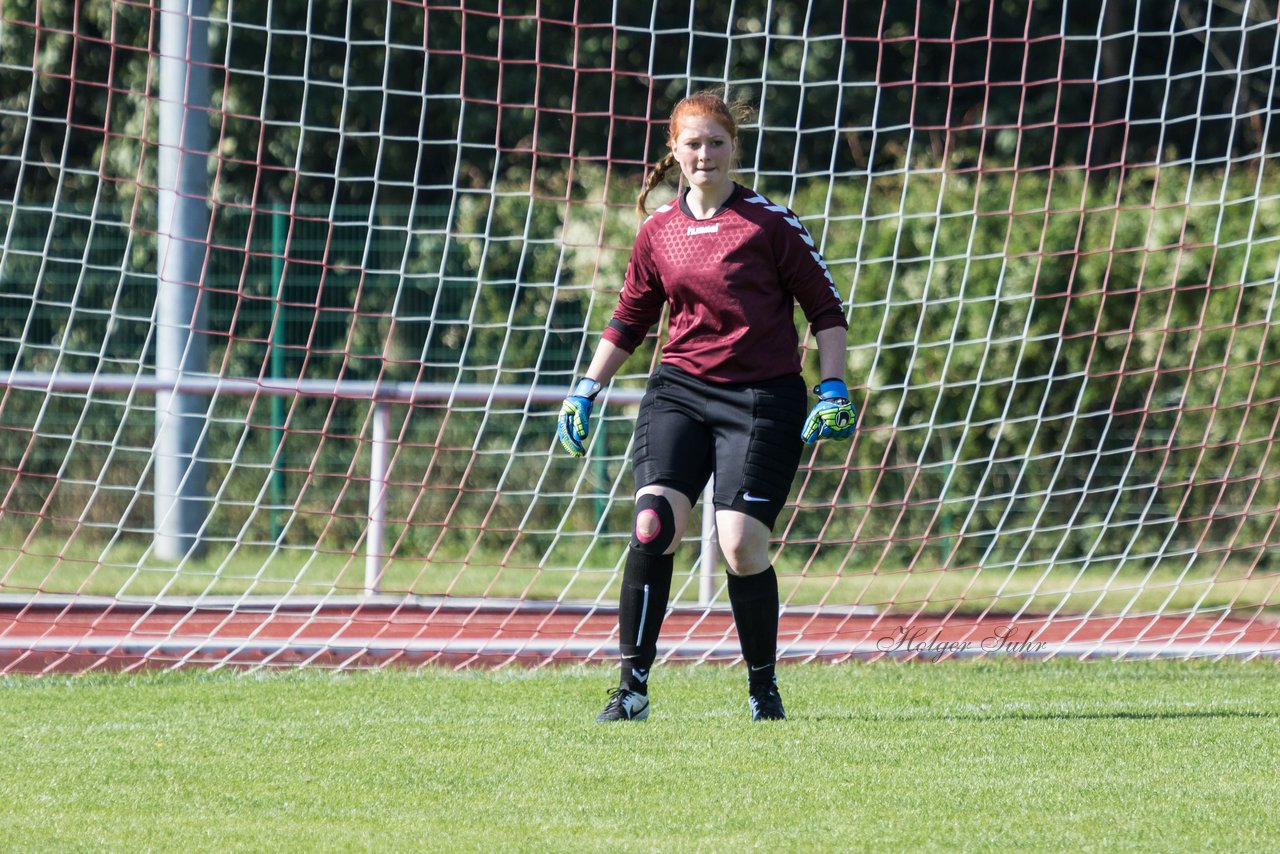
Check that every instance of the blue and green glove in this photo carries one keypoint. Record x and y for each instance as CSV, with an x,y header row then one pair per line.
x,y
833,416
575,417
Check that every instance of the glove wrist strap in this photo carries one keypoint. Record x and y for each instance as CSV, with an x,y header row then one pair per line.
x,y
832,388
586,387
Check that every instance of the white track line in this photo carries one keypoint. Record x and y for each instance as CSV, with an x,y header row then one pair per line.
x,y
133,645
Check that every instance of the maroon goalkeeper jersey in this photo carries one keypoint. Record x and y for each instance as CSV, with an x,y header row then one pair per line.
x,y
732,282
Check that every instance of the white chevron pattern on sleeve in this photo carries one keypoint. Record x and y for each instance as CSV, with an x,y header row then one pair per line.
x,y
795,223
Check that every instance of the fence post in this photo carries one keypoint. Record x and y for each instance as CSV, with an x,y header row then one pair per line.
x,y
375,542
279,240
710,557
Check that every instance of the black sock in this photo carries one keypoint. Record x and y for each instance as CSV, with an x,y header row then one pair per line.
x,y
754,600
646,584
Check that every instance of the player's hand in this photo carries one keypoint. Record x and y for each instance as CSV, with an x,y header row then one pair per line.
x,y
574,424
833,416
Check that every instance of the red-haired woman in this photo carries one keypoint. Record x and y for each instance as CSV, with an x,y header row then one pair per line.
x,y
727,399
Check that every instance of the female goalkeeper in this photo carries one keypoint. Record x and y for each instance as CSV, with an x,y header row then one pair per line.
x,y
727,399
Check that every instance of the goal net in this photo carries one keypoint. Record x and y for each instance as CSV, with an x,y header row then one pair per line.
x,y
290,293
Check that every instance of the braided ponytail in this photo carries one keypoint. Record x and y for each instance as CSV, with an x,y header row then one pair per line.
x,y
656,177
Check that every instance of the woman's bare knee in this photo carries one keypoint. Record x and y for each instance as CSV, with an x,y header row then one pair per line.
x,y
744,541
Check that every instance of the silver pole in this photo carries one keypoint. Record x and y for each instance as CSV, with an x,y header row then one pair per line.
x,y
183,225
710,556
375,539
210,384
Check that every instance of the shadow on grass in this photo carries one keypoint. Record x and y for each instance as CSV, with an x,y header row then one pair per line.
x,y
1042,716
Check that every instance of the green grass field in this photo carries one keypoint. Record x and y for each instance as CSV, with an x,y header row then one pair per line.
x,y
985,755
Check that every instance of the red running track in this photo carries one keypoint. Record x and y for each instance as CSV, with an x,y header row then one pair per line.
x,y
74,636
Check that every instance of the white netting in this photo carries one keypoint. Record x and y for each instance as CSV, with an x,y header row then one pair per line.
x,y
1054,228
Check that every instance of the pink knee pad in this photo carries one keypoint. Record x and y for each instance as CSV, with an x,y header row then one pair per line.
x,y
660,521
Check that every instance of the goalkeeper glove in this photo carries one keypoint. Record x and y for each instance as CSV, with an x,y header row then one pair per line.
x,y
575,416
833,416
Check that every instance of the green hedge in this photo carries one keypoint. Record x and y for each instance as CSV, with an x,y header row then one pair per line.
x,y
1050,367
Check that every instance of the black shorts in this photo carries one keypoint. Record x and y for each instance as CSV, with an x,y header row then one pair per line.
x,y
746,434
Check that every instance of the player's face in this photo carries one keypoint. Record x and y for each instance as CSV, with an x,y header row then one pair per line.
x,y
704,150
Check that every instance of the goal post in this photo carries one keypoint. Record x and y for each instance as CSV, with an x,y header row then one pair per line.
x,y
1055,229
182,224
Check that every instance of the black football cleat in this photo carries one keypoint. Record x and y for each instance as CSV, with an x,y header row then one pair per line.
x,y
766,704
625,705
